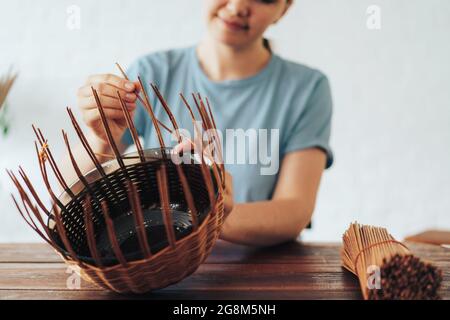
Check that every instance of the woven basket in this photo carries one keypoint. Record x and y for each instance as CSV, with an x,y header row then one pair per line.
x,y
168,263
135,223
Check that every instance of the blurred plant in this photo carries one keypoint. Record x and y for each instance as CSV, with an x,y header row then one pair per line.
x,y
6,83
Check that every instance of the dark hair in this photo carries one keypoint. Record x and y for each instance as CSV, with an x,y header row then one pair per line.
x,y
266,44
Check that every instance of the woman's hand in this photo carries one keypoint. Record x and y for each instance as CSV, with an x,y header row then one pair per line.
x,y
186,146
107,86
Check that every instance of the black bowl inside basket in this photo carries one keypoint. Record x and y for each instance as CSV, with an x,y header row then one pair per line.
x,y
113,189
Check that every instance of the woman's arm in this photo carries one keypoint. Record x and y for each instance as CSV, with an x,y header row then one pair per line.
x,y
289,211
82,158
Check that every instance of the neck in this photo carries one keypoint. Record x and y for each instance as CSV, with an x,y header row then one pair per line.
x,y
221,62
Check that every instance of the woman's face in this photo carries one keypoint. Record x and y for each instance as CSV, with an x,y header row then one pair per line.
x,y
239,23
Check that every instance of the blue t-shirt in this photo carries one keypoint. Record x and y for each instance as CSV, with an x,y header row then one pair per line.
x,y
286,104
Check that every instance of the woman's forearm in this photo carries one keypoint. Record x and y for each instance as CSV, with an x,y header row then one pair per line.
x,y
82,158
265,223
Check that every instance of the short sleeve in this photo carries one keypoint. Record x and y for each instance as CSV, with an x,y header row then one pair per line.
x,y
140,114
313,126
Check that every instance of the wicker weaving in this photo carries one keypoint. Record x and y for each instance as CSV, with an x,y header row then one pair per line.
x,y
137,222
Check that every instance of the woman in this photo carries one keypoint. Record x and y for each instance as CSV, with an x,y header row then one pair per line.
x,y
249,87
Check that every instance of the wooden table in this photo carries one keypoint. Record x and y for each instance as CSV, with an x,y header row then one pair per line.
x,y
289,271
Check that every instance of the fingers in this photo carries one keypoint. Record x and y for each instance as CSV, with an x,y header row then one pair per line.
x,y
184,146
92,116
105,89
112,80
87,103
107,86
137,85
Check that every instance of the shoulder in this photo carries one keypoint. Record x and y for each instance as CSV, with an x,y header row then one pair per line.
x,y
301,77
308,91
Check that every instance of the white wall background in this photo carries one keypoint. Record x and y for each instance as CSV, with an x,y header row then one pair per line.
x,y
391,88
